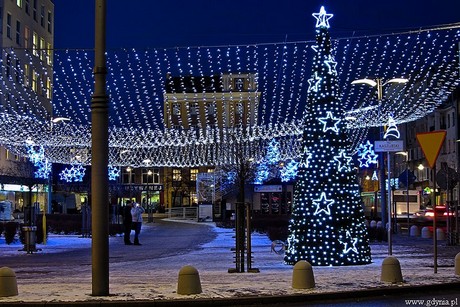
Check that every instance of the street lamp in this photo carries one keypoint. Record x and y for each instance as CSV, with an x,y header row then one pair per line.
x,y
379,84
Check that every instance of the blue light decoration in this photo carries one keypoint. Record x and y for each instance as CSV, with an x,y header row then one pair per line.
x,y
43,169
289,171
366,154
114,173
37,157
268,166
392,130
327,227
73,174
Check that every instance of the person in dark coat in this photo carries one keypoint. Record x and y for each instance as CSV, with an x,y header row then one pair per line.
x,y
127,222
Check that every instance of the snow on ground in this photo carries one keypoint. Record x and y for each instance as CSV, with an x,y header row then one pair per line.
x,y
156,279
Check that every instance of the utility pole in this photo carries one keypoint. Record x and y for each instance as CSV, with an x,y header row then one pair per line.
x,y
100,161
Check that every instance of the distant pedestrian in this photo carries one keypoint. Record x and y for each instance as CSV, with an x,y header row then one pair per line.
x,y
127,222
136,213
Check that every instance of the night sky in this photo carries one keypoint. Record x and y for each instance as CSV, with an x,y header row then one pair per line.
x,y
163,24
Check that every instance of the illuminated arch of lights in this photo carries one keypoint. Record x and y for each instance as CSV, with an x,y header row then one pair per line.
x,y
137,82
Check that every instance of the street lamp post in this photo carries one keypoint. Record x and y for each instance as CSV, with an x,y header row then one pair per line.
x,y
378,84
150,216
100,160
129,170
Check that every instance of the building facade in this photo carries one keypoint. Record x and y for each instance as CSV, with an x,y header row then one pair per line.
x,y
27,41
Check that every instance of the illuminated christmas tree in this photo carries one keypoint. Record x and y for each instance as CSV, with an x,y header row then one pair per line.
x,y
327,226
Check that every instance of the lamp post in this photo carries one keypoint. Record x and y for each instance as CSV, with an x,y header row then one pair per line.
x,y
150,216
379,84
129,170
100,160
406,154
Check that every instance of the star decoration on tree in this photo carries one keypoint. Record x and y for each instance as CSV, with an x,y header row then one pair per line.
x,y
323,204
330,122
331,65
307,157
314,83
349,243
343,161
322,18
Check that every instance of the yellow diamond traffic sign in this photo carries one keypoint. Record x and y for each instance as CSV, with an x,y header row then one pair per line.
x,y
431,143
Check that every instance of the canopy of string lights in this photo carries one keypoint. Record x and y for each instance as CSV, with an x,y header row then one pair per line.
x,y
141,83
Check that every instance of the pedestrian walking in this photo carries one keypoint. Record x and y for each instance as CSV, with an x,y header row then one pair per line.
x,y
127,222
136,213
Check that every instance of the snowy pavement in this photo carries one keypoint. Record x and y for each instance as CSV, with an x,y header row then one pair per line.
x,y
155,280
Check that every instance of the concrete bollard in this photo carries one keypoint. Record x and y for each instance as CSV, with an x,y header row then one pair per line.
x,y
391,270
302,275
379,224
414,231
189,281
426,233
8,283
373,224
440,234
457,264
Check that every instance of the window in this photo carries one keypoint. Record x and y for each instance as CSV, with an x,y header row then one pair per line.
x,y
49,54
177,174
42,49
18,32
42,16
8,25
176,109
48,88
210,170
239,84
193,174
27,37
35,10
128,176
35,44
153,178
194,108
27,7
19,3
50,19
34,81
211,108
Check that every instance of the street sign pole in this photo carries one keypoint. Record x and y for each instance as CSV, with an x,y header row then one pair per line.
x,y
431,143
388,147
390,245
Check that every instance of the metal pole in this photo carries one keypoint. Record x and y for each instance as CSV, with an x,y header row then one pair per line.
x,y
435,237
407,190
390,252
381,159
100,159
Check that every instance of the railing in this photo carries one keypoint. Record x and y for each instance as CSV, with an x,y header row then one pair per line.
x,y
183,213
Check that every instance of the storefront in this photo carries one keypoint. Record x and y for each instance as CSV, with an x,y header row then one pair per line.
x,y
272,199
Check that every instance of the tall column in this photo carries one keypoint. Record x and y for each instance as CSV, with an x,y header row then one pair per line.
x,y
100,159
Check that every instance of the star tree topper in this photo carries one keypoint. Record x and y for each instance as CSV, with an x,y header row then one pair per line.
x,y
322,18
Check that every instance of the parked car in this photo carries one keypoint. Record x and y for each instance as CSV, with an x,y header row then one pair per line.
x,y
426,216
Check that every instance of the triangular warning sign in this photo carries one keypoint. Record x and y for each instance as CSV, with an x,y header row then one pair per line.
x,y
431,143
